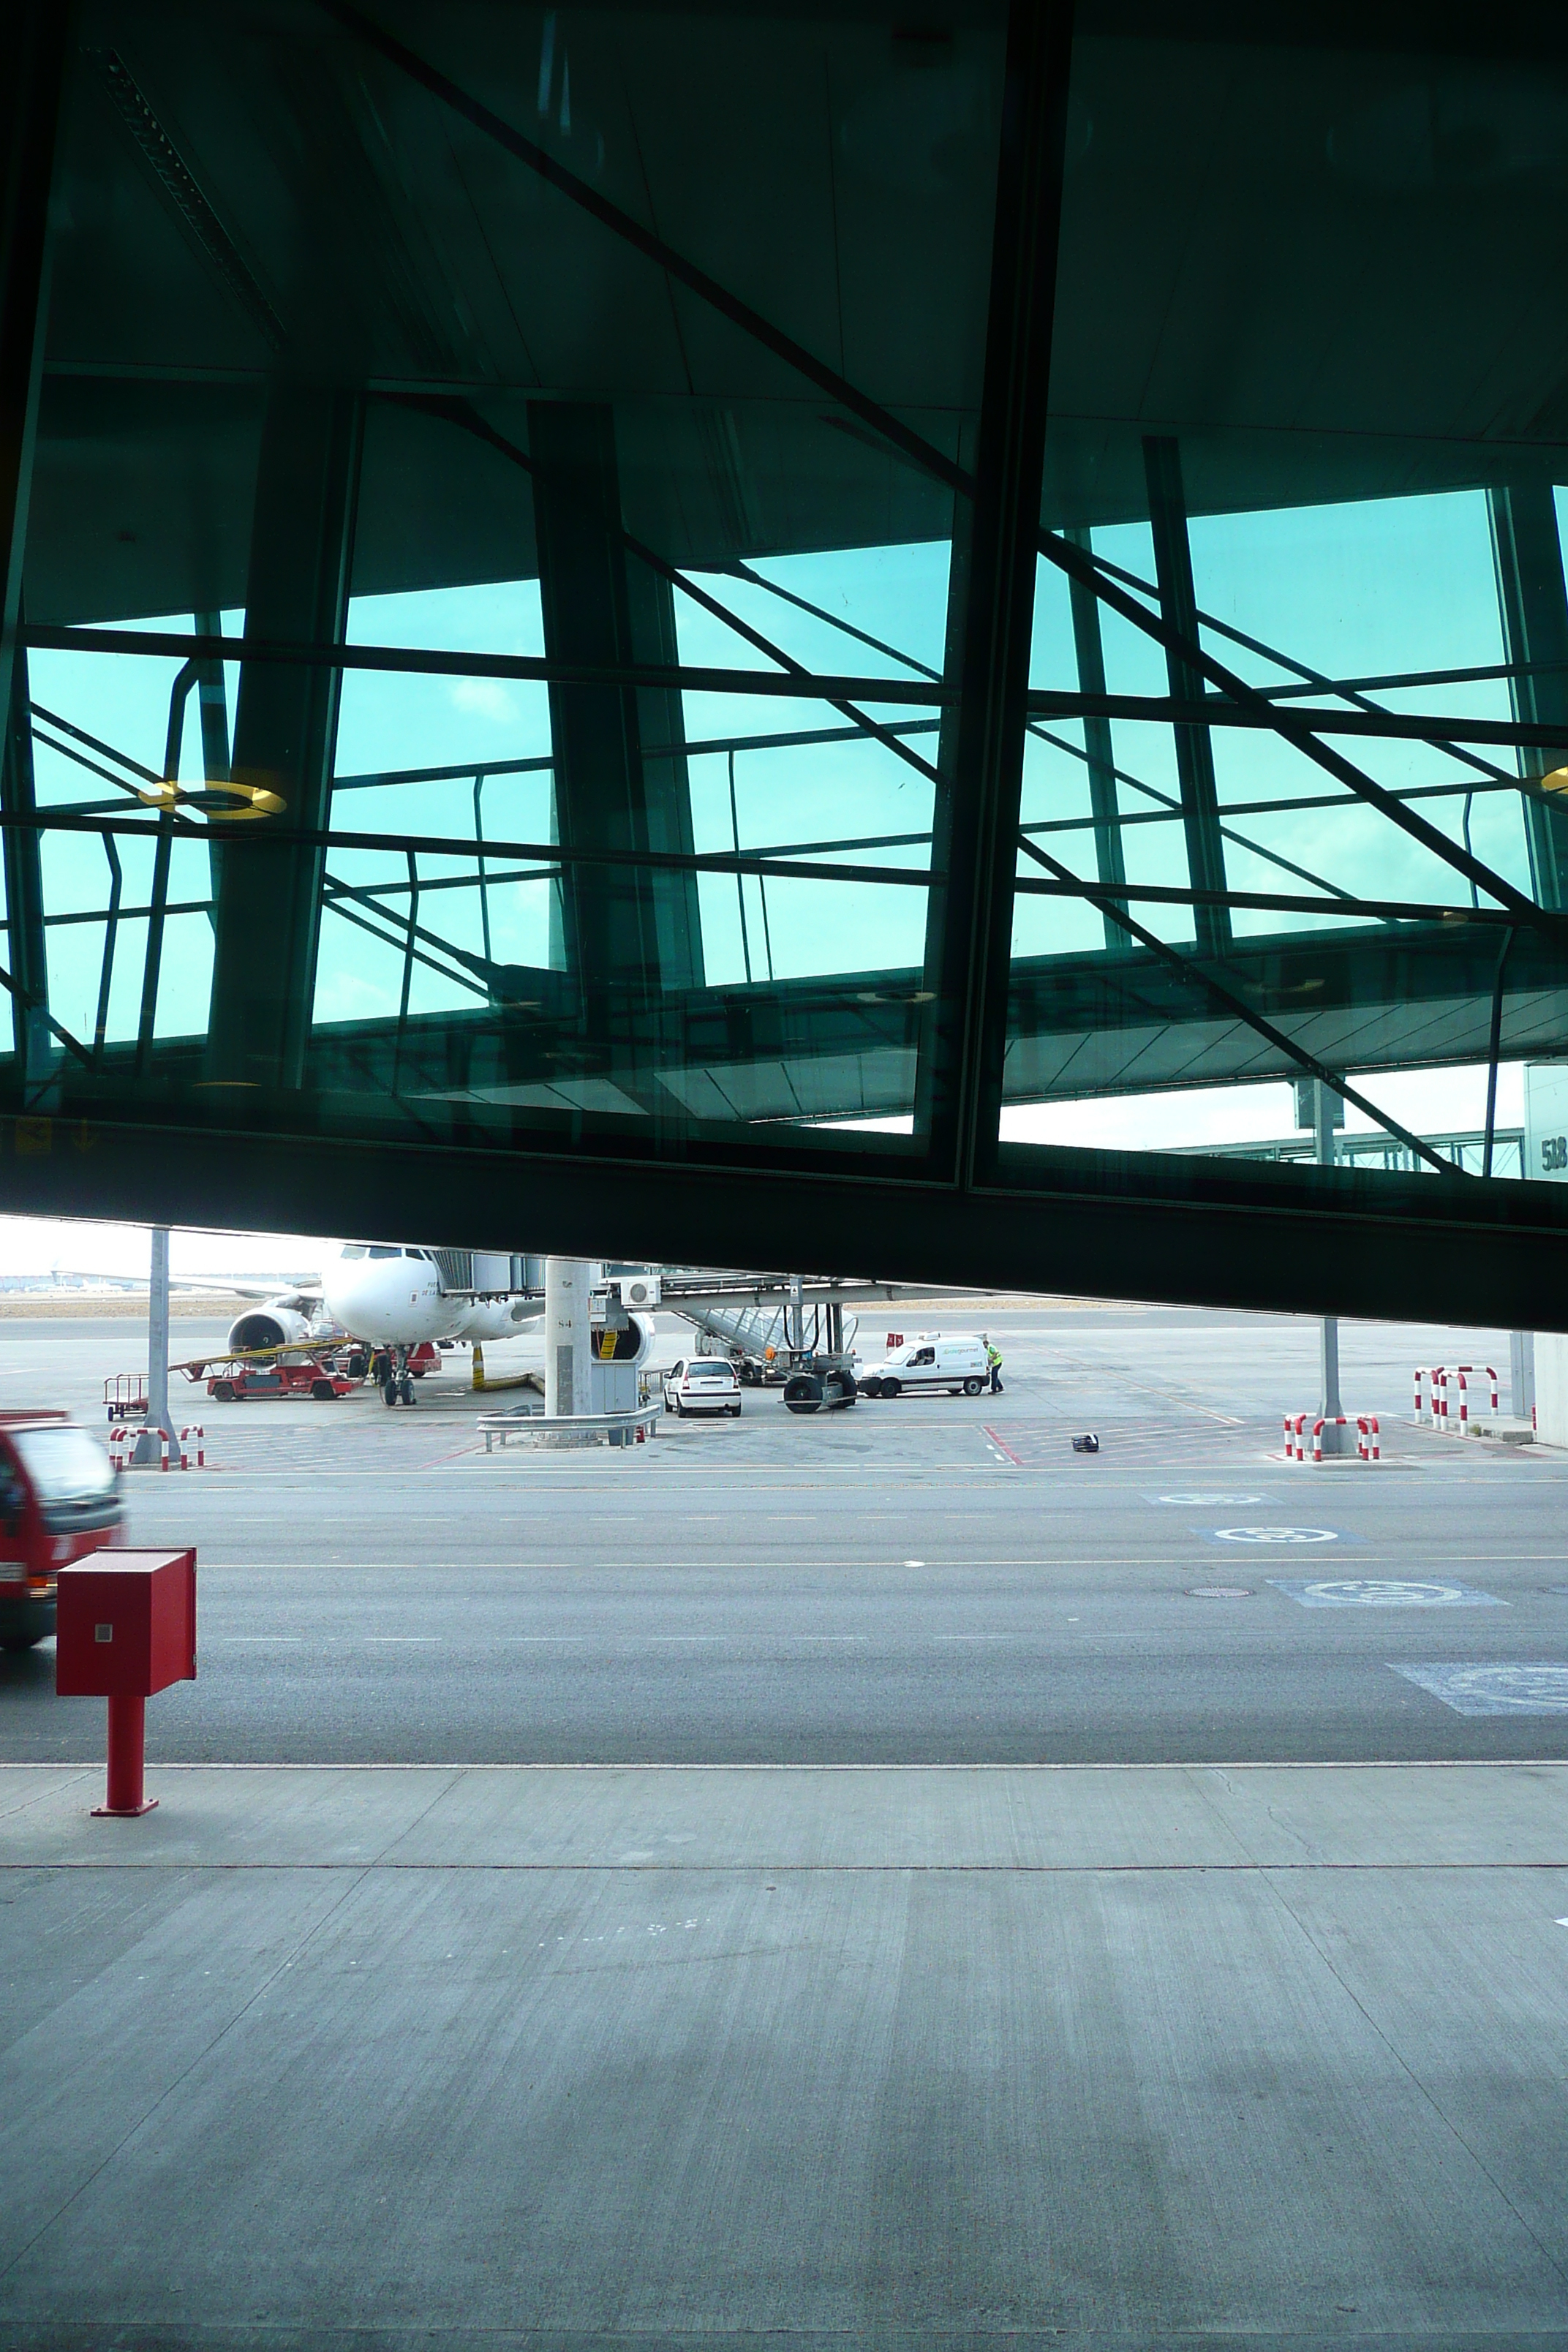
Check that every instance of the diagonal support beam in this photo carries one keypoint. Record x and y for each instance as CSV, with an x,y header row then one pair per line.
x,y
1109,900
1077,564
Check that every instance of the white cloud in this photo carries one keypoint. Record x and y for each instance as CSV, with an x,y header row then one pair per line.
x,y
485,698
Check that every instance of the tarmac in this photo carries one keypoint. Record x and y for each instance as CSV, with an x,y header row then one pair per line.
x,y
610,2057
786,1885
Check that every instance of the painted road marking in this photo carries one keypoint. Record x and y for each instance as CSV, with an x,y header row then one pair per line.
x,y
1276,1535
1207,1502
1384,1592
1538,1687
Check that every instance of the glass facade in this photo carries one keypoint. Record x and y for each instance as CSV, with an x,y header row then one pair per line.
x,y
857,591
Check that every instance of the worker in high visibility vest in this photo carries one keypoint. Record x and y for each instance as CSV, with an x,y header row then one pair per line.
x,y
993,1363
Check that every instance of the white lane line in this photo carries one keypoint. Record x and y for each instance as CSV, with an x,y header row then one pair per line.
x,y
423,1639
543,1637
979,1637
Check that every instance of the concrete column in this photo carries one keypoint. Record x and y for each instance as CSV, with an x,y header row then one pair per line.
x,y
147,1445
568,1295
1521,1374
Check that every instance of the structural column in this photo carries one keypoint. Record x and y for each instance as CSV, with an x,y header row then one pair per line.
x,y
1533,603
1195,746
974,834
270,874
27,956
32,56
568,1344
1110,864
158,1423
1336,1440
625,927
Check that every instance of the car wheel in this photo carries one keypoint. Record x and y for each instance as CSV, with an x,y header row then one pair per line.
x,y
223,1391
734,1412
973,1388
323,1392
888,1388
802,1393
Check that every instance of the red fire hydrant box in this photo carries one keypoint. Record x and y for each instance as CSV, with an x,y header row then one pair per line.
x,y
126,1624
126,1627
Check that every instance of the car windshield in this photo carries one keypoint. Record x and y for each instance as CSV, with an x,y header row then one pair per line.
x,y
65,1464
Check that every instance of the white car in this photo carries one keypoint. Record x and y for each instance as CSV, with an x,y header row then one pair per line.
x,y
953,1360
702,1384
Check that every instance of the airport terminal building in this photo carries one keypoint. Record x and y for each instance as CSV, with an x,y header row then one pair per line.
x,y
792,635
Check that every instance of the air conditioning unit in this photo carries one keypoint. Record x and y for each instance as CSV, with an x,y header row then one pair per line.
x,y
639,1290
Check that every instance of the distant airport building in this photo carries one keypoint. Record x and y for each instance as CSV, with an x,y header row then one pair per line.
x,y
794,635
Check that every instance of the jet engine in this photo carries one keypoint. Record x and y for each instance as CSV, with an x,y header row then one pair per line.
x,y
272,1325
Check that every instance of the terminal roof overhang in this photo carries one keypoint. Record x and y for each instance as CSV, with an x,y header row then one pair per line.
x,y
726,453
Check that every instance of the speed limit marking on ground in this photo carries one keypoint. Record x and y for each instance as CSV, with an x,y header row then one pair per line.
x,y
1276,1535
1208,1502
1384,1593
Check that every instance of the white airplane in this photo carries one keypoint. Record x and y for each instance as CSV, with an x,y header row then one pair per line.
x,y
391,1298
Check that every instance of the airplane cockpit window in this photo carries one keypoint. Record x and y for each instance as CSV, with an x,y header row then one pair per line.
x,y
354,1249
382,1249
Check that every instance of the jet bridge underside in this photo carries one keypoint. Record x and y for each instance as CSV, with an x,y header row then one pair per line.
x,y
1100,1025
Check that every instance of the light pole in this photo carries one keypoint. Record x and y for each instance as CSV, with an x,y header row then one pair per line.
x,y
148,1445
1336,1440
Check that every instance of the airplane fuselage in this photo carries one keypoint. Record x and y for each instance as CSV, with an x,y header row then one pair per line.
x,y
392,1297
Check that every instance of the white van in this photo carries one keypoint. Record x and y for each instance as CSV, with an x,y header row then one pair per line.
x,y
953,1360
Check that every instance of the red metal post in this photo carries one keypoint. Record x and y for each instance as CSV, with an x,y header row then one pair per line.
x,y
127,1751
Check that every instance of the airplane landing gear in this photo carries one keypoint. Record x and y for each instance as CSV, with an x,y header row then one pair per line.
x,y
392,1375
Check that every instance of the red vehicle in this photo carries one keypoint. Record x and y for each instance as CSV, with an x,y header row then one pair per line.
x,y
59,1499
313,1380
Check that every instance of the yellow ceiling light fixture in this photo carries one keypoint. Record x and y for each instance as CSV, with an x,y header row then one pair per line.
x,y
253,796
229,800
1556,781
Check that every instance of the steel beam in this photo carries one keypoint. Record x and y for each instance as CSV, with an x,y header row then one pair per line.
x,y
271,874
1126,1224
1109,864
977,818
1533,602
1195,750
27,955
32,64
622,923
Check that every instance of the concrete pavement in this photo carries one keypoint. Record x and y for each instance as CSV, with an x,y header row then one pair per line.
x,y
603,2058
